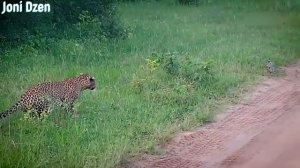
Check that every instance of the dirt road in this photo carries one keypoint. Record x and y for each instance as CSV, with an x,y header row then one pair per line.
x,y
263,131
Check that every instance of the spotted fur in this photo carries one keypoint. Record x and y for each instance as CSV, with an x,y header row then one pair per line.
x,y
41,96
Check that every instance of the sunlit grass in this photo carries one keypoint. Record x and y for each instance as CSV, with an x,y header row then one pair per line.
x,y
119,119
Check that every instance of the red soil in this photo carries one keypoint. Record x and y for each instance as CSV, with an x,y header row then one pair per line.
x,y
263,131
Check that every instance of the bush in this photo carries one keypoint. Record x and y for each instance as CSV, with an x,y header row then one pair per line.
x,y
99,17
188,2
182,65
173,78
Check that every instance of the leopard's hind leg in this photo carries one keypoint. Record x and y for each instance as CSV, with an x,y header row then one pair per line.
x,y
42,107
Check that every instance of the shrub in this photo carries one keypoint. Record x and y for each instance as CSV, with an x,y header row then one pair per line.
x,y
79,18
182,65
188,2
173,78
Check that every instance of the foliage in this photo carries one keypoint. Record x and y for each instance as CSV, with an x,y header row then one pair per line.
x,y
188,2
182,65
81,18
198,59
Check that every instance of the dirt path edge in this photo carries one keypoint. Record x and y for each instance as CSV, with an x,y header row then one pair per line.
x,y
230,142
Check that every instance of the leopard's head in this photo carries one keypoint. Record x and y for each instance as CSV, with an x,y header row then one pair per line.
x,y
87,81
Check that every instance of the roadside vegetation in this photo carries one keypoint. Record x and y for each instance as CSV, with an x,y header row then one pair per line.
x,y
163,67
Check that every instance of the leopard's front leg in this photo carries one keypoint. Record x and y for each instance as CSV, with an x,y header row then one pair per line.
x,y
70,108
70,102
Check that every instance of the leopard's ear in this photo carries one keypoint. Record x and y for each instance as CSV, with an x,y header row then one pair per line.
x,y
93,78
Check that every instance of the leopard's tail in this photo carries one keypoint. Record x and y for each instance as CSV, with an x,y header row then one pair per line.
x,y
14,108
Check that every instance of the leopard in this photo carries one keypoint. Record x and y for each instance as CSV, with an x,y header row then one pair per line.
x,y
41,96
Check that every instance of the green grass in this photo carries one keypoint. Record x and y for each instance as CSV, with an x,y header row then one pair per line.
x,y
136,106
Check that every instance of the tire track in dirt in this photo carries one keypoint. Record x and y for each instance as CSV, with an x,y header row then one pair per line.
x,y
219,144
